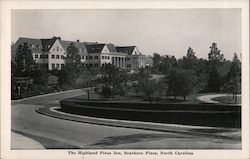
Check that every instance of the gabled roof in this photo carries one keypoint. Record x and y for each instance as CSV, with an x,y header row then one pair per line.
x,y
126,49
78,45
111,47
47,43
36,43
95,48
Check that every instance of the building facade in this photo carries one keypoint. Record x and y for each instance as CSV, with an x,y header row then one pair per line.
x,y
50,53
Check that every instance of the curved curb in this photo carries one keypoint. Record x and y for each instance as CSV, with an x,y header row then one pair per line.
x,y
209,98
45,95
172,128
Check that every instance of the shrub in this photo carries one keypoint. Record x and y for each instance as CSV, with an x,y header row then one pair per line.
x,y
106,91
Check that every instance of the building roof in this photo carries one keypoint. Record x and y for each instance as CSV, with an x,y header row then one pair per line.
x,y
44,45
95,48
34,44
111,47
126,49
47,43
79,45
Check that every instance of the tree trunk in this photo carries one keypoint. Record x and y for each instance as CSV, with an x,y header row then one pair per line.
x,y
88,95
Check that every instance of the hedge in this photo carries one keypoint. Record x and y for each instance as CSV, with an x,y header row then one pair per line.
x,y
187,114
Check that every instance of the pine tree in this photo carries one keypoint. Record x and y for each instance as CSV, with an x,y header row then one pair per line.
x,y
72,63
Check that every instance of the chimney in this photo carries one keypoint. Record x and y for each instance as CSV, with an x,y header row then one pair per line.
x,y
78,40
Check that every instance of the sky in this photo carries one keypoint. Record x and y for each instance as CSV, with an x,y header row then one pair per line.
x,y
164,31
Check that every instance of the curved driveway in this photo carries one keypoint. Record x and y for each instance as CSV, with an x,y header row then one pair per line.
x,y
57,133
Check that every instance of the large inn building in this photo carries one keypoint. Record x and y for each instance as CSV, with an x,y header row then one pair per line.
x,y
50,53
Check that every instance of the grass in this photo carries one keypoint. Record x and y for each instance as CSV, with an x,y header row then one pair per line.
x,y
228,99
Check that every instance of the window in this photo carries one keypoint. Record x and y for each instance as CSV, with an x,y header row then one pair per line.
x,y
128,58
87,57
90,57
62,66
43,56
96,57
57,48
57,56
102,57
62,57
83,57
52,56
128,65
108,57
36,56
60,49
96,65
53,66
90,65
57,65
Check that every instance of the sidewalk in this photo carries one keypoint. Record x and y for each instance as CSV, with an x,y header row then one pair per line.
x,y
22,142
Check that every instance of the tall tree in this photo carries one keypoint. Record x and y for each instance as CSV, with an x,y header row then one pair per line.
x,y
233,78
72,63
24,63
214,56
190,60
215,59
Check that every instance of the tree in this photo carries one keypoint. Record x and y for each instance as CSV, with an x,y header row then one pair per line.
x,y
233,78
72,63
214,56
180,82
146,84
86,80
167,63
215,59
156,58
115,78
24,63
189,61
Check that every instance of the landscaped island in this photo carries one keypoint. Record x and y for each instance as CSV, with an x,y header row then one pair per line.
x,y
215,115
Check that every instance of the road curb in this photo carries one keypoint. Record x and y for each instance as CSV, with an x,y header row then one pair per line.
x,y
174,128
45,95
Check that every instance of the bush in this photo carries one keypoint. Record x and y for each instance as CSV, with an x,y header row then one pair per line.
x,y
106,91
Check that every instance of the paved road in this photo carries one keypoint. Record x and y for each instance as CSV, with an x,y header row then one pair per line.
x,y
57,133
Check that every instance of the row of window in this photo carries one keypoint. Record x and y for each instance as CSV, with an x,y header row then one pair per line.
x,y
57,56
56,66
103,57
41,56
57,49
90,57
92,65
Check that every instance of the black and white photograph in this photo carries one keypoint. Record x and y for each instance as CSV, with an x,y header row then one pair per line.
x,y
120,82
